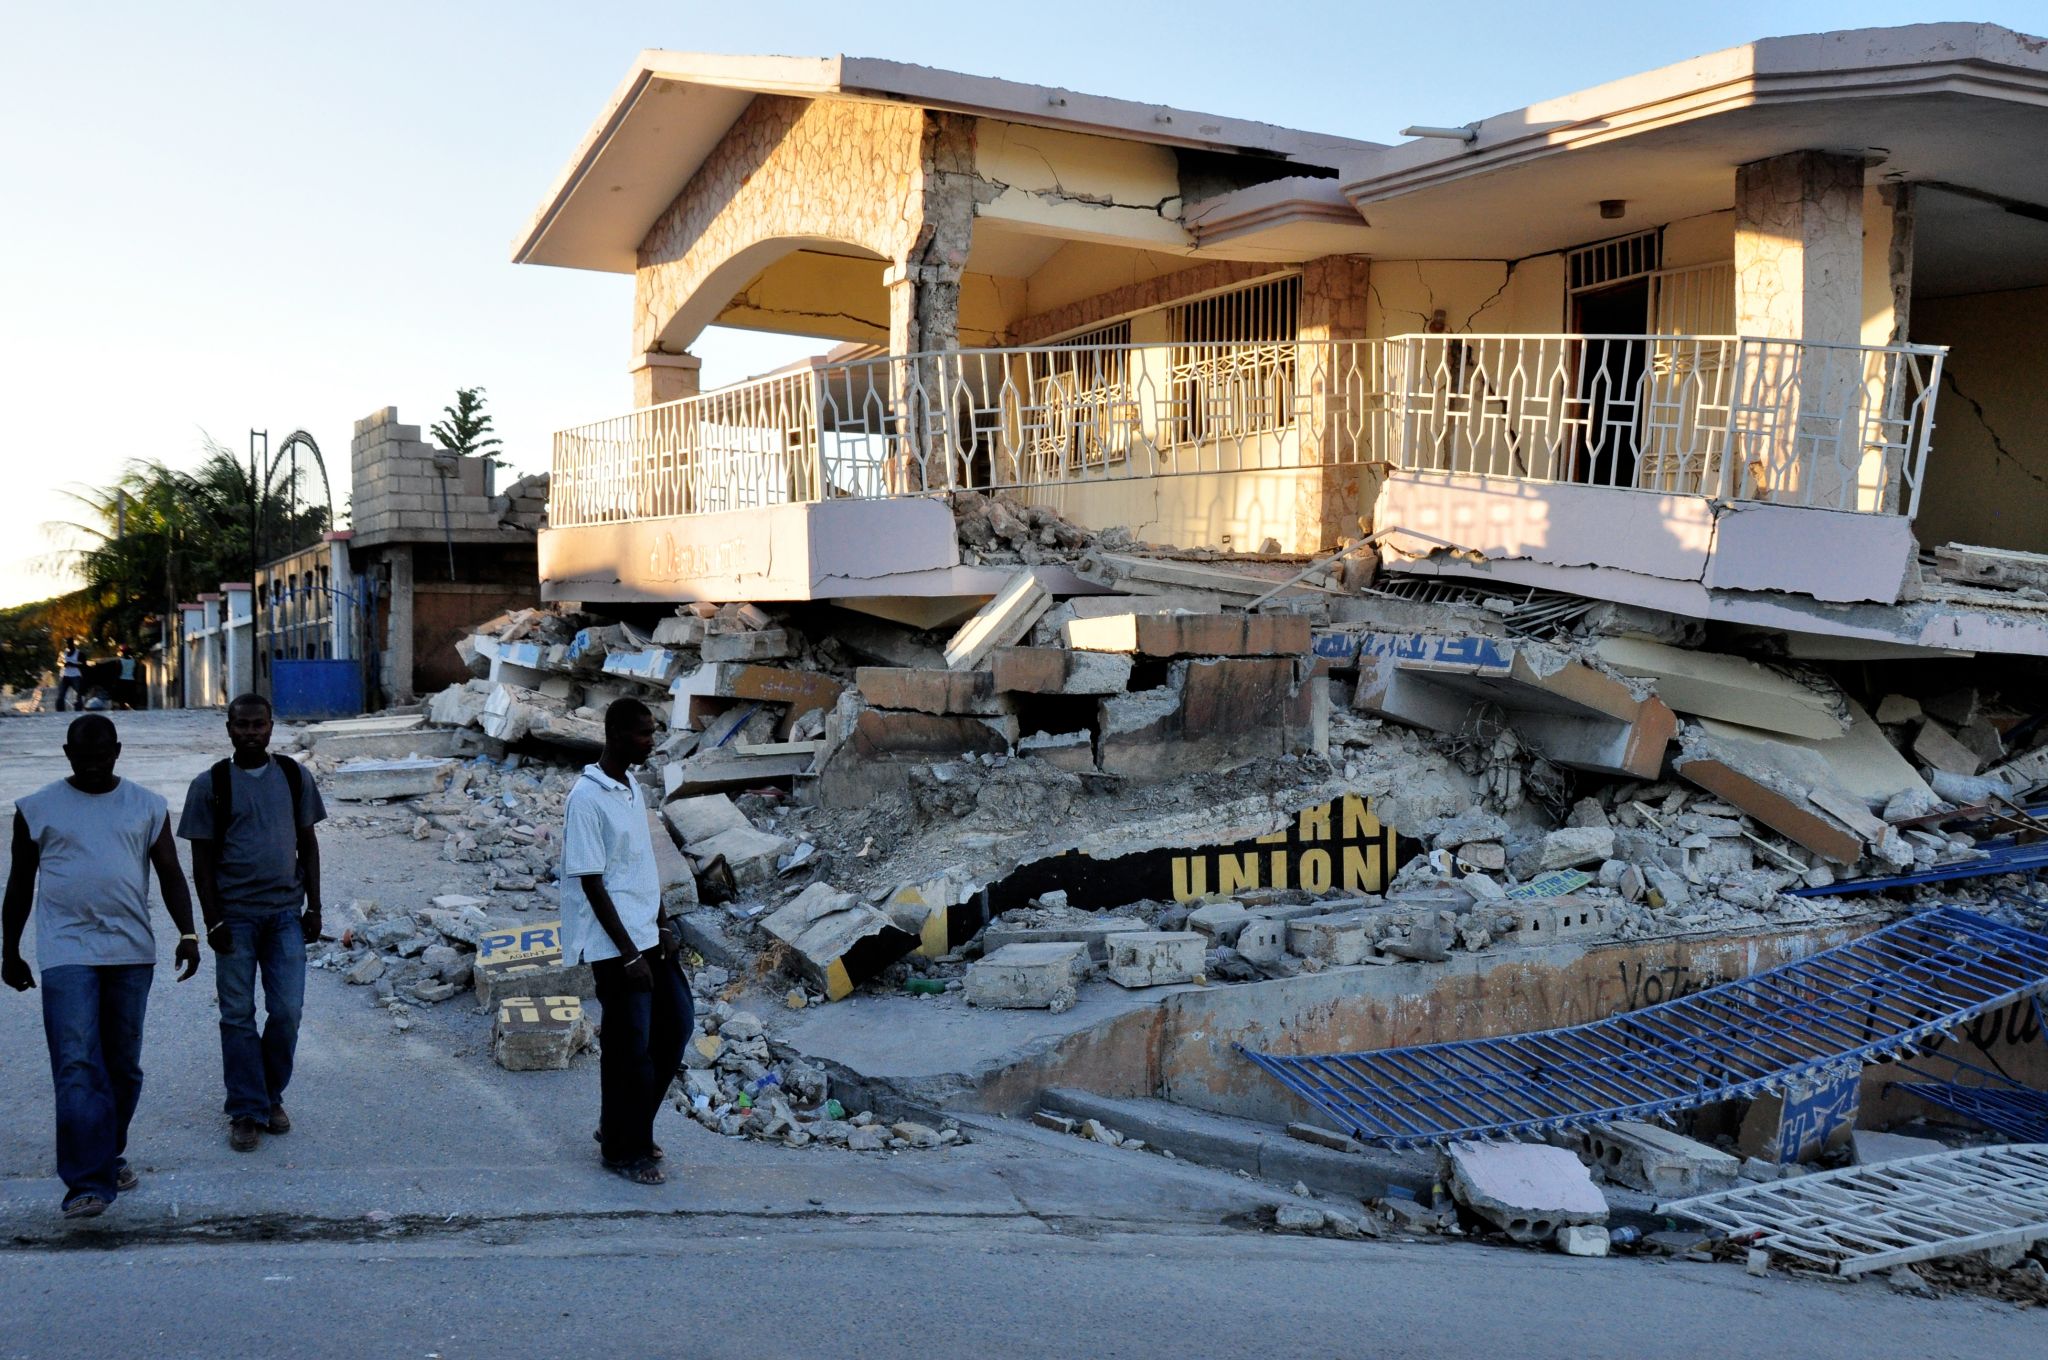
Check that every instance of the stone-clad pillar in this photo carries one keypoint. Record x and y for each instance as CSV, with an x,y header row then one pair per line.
x,y
1799,276
924,304
660,378
1334,375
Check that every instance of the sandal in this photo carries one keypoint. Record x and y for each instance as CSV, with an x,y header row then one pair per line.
x,y
85,1206
642,1172
597,1136
125,1178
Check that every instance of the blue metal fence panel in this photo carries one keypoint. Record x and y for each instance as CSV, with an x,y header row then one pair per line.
x,y
1873,998
304,690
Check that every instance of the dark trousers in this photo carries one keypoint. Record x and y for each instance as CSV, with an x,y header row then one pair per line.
x,y
642,1045
74,686
92,1017
258,1065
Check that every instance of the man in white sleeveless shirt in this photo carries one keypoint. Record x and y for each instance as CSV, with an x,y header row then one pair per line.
x,y
83,849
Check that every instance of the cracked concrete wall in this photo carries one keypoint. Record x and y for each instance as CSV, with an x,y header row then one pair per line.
x,y
789,171
1403,296
1987,476
1091,188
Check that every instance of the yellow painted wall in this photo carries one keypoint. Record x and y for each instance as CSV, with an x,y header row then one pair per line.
x,y
1474,295
1977,491
1237,510
1878,313
1706,239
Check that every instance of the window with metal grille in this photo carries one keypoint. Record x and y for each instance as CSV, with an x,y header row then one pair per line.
x,y
1234,361
1082,410
1616,261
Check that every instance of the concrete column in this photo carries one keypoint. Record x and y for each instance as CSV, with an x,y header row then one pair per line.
x,y
659,378
924,305
398,626
1799,276
238,632
1799,247
1336,437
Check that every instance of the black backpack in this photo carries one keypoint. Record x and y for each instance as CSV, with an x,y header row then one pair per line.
x,y
224,798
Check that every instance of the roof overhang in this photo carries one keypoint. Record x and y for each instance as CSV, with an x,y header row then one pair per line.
x,y
673,107
1957,103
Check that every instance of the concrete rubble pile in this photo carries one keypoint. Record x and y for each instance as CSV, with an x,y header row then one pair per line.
x,y
853,794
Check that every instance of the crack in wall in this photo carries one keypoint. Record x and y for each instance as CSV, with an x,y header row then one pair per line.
x,y
1948,377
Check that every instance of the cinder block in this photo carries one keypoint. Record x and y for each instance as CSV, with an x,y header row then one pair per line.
x,y
1156,958
1262,939
1664,1163
538,1033
929,691
769,644
1341,938
1028,976
1173,635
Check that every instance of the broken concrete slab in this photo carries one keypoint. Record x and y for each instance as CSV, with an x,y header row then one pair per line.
x,y
802,691
1528,1190
709,772
1566,848
1055,670
1645,1157
1002,622
1936,747
931,691
363,781
424,743
1070,751
1156,958
1094,935
1191,635
1733,688
835,942
539,1032
698,819
649,665
1998,568
1869,1147
1043,976
681,630
1339,938
1220,921
1570,712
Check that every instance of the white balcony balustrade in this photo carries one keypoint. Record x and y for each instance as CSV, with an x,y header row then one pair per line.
x,y
1826,426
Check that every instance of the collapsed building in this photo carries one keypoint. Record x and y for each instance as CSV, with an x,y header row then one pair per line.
x,y
1234,590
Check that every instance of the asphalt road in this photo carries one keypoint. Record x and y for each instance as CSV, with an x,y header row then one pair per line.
x,y
840,1288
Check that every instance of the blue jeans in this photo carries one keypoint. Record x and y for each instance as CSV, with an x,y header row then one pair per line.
x,y
92,1017
259,1066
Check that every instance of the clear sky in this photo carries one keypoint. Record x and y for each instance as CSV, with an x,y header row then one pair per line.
x,y
223,216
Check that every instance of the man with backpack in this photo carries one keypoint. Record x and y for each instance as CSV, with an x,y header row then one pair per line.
x,y
254,861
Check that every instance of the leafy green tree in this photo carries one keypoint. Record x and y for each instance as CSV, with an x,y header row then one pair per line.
x,y
158,535
467,430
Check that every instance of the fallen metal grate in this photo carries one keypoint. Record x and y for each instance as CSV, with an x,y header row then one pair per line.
x,y
1873,998
1865,1218
2015,1111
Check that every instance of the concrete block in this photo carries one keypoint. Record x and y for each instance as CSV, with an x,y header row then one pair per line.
x,y
1528,1190
1262,939
538,1033
1220,921
1583,1239
1043,976
1190,635
1666,1164
426,743
526,961
1055,670
1939,750
1156,958
1002,622
930,691
362,781
769,644
1341,938
683,630
751,855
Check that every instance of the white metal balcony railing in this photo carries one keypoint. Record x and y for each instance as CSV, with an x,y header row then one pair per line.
x,y
1829,426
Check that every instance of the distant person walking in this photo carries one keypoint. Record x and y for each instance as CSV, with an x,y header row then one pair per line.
x,y
71,676
128,690
83,849
255,859
611,910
